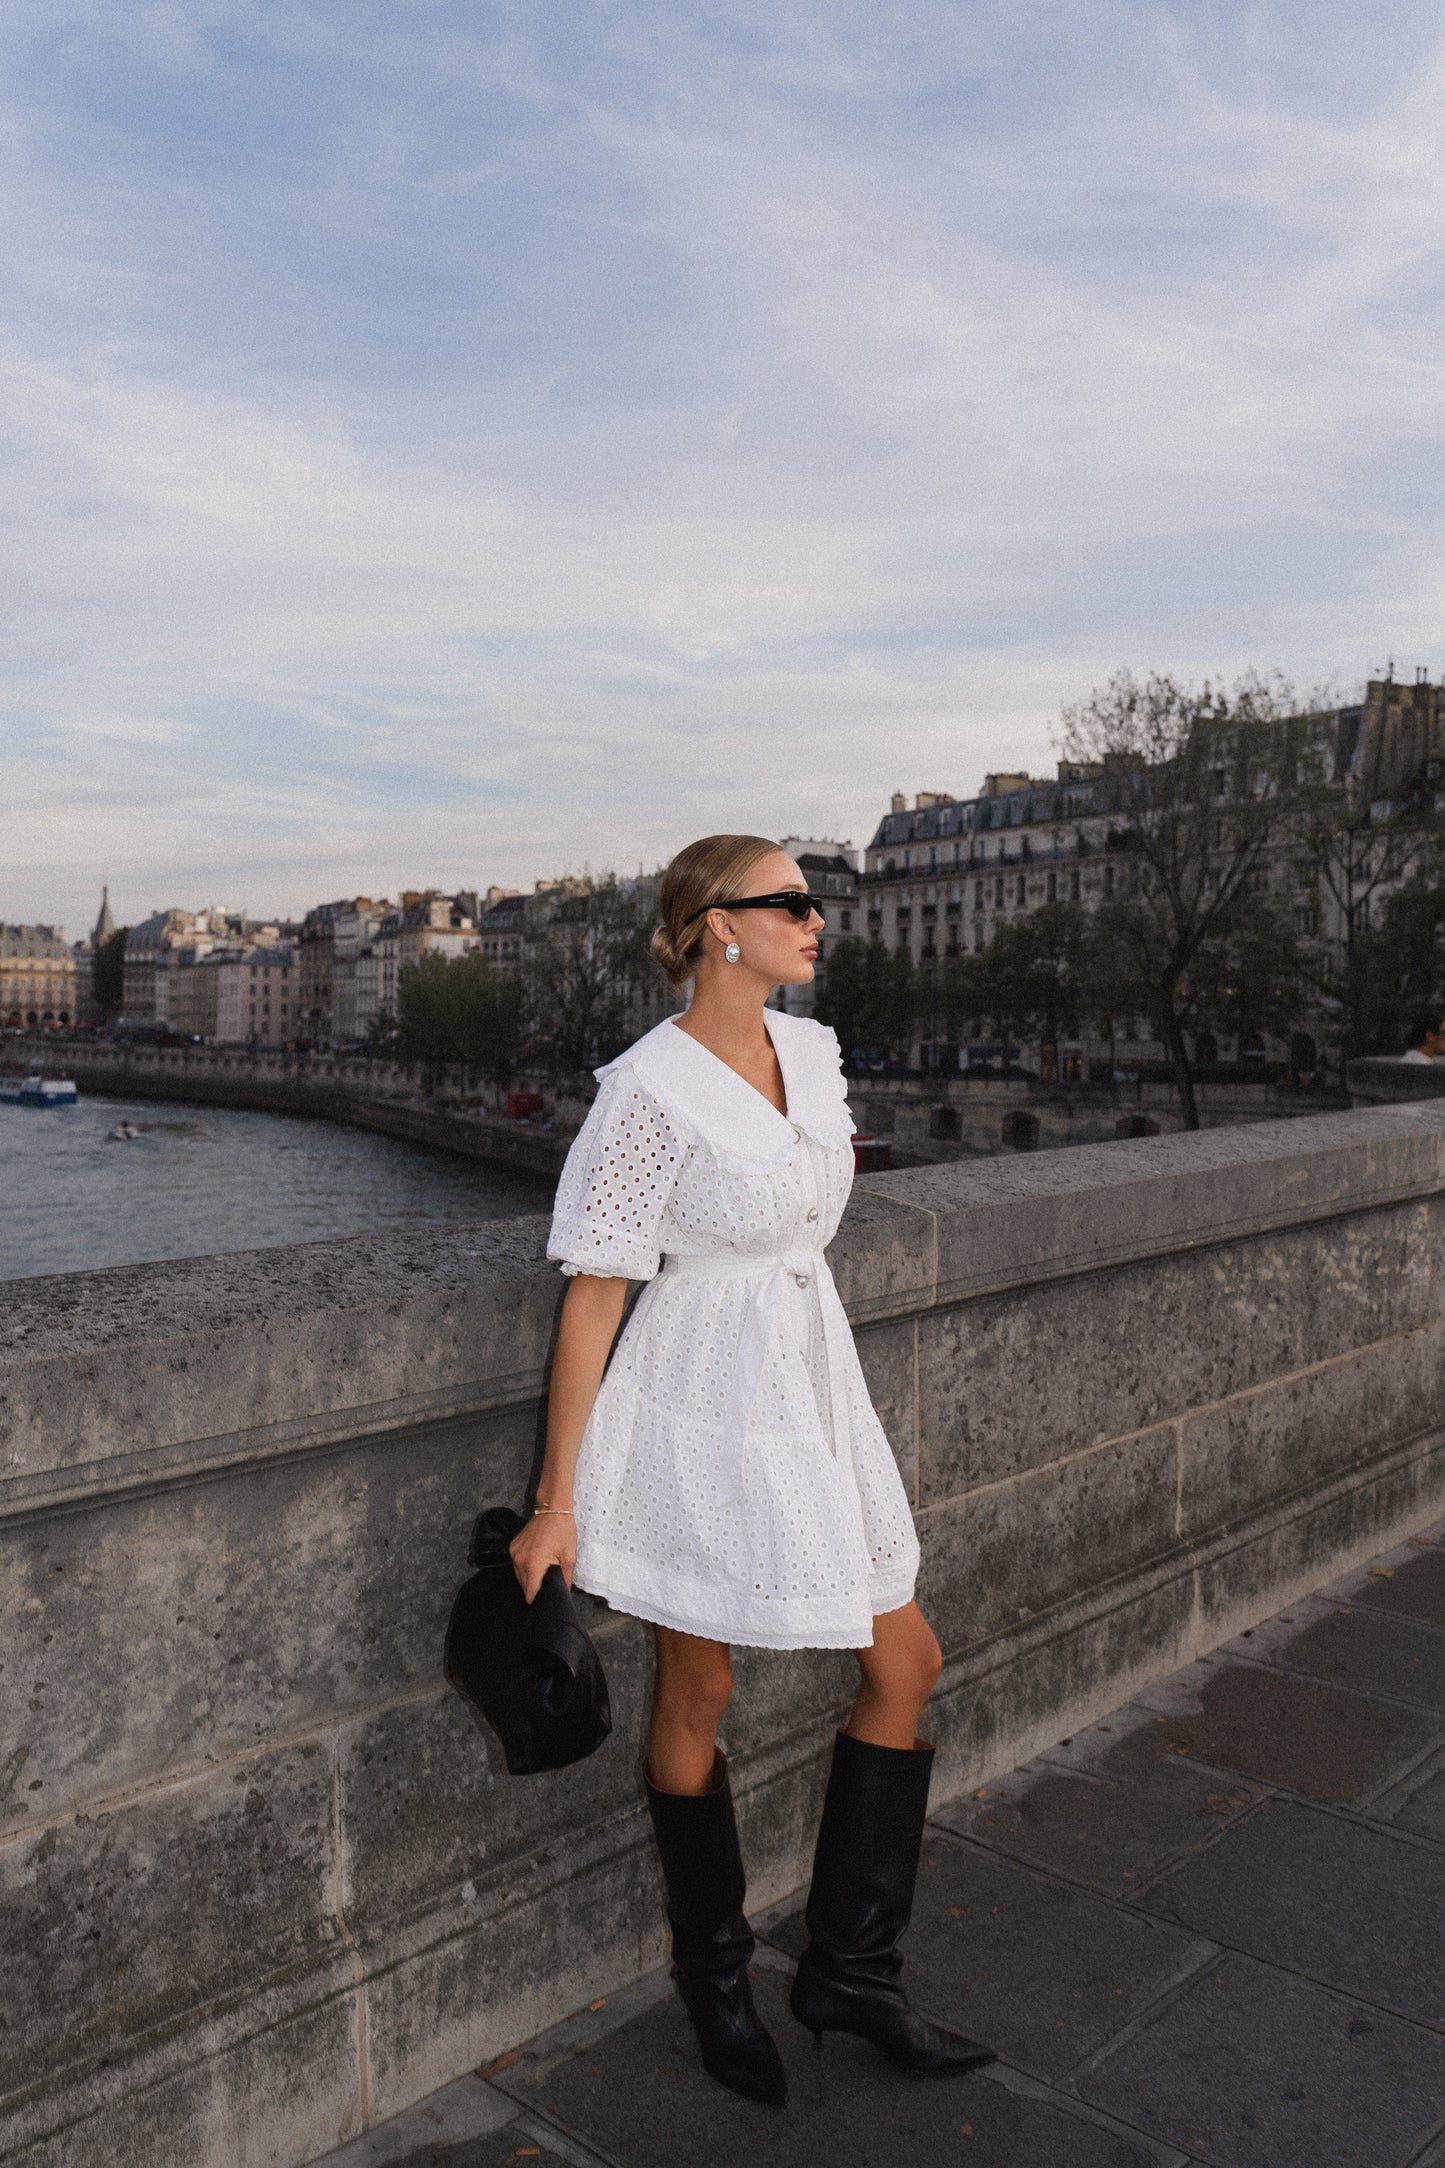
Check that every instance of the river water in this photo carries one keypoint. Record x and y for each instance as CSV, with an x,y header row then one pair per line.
x,y
198,1180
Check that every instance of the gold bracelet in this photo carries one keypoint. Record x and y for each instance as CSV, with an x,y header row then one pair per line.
x,y
555,1509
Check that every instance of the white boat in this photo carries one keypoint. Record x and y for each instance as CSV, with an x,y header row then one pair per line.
x,y
39,1091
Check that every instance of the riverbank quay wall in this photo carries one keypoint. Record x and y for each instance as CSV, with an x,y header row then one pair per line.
x,y
262,1881
397,1099
927,1120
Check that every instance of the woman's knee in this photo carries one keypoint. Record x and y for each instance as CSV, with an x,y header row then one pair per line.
x,y
695,1682
903,1664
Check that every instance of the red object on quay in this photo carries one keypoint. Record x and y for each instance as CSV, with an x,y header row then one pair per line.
x,y
520,1103
871,1155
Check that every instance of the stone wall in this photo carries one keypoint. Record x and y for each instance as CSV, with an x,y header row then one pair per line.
x,y
1382,1081
263,1883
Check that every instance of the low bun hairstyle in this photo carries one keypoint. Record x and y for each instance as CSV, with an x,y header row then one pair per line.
x,y
701,874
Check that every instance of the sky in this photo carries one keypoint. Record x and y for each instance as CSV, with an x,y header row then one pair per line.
x,y
458,443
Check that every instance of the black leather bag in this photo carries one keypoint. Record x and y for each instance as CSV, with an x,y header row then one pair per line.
x,y
529,1670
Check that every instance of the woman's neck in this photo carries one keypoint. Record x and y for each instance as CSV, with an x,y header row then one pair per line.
x,y
727,1017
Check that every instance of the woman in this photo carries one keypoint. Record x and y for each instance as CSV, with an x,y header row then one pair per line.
x,y
733,1483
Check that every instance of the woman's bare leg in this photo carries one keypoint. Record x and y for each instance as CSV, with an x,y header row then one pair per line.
x,y
898,1674
689,1695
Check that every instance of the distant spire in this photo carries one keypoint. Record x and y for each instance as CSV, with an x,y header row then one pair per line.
x,y
105,924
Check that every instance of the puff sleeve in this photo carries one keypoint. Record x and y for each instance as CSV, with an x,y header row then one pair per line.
x,y
614,1188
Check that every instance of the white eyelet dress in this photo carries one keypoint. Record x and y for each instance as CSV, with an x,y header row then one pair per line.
x,y
733,1479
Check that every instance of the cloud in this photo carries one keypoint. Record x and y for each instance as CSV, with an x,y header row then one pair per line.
x,y
453,444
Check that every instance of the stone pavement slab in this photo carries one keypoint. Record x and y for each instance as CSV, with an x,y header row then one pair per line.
x,y
1418,1803
1110,1825
1251,2067
1362,1649
1352,1906
1411,1587
1255,1721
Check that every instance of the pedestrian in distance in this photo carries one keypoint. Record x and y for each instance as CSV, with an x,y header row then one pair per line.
x,y
1427,1037
725,1476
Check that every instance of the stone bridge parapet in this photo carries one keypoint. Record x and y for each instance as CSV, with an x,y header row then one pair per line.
x,y
264,1884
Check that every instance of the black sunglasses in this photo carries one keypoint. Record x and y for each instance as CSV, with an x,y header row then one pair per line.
x,y
795,901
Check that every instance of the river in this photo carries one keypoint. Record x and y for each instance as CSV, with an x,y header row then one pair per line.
x,y
198,1180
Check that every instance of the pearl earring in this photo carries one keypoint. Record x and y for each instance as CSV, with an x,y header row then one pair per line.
x,y
732,952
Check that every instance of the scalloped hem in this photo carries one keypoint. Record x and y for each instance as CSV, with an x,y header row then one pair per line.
x,y
886,1593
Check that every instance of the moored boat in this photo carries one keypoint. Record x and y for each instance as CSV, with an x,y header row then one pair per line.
x,y
38,1091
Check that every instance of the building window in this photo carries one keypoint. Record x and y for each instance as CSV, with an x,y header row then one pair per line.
x,y
1053,888
998,892
1108,883
1073,888
978,895
1020,891
846,921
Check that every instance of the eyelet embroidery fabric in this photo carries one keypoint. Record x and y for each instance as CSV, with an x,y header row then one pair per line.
x,y
734,1480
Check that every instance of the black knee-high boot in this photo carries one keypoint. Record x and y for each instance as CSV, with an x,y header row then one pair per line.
x,y
864,1872
711,1939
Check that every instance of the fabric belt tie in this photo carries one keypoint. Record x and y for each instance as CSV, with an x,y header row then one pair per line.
x,y
805,1268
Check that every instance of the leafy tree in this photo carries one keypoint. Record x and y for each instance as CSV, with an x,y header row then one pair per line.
x,y
489,1017
382,1037
1028,983
1198,780
107,973
870,997
1396,969
454,1009
1246,980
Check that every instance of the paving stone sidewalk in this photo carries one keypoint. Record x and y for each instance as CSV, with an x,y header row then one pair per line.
x,y
1207,1933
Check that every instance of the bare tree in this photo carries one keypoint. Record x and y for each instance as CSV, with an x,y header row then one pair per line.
x,y
1199,782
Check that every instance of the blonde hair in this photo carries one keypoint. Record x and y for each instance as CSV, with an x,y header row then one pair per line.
x,y
701,874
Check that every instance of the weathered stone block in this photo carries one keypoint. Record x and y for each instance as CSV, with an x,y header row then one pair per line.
x,y
454,1988
1282,1436
329,1339
1115,1351
127,1920
883,1256
888,1354
1243,1578
996,1708
214,1614
273,2082
427,1803
1009,1552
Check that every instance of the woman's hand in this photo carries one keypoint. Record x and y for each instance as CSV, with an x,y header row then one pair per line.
x,y
549,1539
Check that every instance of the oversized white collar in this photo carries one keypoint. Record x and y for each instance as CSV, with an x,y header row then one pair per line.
x,y
727,1112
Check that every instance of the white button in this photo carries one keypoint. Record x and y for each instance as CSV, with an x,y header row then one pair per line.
x,y
801,1278
814,1213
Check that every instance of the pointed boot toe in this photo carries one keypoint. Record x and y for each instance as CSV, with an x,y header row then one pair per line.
x,y
737,2048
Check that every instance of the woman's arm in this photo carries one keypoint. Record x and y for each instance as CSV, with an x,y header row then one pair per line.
x,y
591,1314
